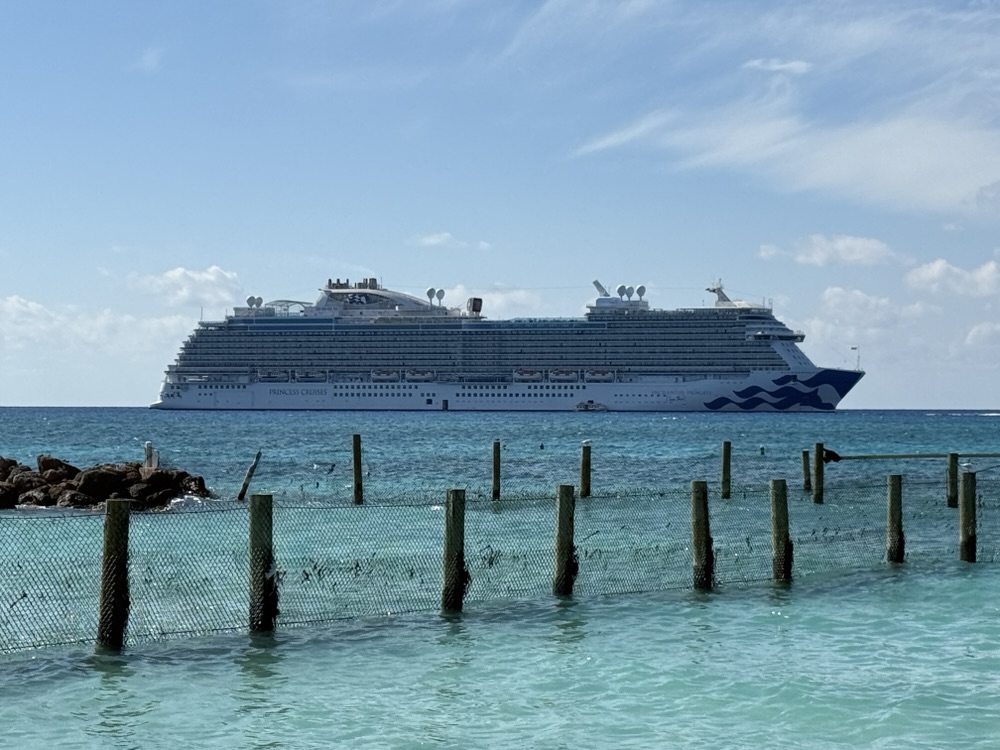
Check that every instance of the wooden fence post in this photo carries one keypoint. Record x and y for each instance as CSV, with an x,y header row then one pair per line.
x,y
248,476
702,557
566,567
359,492
781,542
727,457
496,469
967,517
113,605
585,469
895,542
263,580
455,576
818,473
807,484
952,479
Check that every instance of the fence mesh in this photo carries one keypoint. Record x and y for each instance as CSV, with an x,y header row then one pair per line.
x,y
189,567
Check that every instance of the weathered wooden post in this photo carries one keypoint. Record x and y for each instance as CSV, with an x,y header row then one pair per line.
x,y
585,469
263,581
113,605
967,517
818,473
895,542
726,480
807,484
565,570
248,476
781,542
702,558
455,577
496,469
359,492
148,455
952,479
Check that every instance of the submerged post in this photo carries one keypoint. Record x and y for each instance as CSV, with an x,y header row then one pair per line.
x,y
564,573
952,479
895,542
726,479
585,469
807,484
113,605
781,542
263,581
702,559
496,469
359,493
248,476
455,577
967,517
818,473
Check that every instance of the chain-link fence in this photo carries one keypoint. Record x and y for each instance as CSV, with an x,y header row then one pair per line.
x,y
189,568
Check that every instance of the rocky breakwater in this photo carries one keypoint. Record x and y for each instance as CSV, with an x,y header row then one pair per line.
x,y
57,483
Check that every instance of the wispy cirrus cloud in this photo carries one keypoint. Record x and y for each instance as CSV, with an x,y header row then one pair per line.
x,y
182,286
774,65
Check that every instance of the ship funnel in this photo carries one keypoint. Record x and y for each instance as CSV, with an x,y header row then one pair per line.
x,y
600,289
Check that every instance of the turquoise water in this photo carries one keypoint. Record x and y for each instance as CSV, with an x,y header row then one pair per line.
x,y
855,653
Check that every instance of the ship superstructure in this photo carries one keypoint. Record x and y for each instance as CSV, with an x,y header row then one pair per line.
x,y
362,346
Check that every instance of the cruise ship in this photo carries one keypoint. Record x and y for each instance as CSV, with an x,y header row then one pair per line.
x,y
364,347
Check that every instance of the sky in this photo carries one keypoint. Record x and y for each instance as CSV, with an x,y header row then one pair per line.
x,y
840,161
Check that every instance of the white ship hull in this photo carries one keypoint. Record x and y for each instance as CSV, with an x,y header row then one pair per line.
x,y
820,390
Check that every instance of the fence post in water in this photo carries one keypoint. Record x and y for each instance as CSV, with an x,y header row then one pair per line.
x,y
455,576
359,493
263,581
248,476
702,559
585,469
565,559
952,478
112,608
818,473
781,543
496,469
807,484
967,517
727,456
895,542
148,454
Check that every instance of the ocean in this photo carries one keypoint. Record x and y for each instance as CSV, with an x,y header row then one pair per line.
x,y
855,652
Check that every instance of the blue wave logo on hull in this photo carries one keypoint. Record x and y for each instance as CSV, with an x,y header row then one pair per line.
x,y
805,394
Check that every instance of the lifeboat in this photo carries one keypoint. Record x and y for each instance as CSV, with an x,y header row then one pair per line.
x,y
527,376
419,376
599,376
385,376
310,376
563,376
274,376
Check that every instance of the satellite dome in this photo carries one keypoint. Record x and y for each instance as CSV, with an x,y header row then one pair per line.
x,y
620,290
640,290
431,291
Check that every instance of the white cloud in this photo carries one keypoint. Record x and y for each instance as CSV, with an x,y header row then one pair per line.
x,y
212,287
774,65
941,276
822,250
448,240
983,334
148,61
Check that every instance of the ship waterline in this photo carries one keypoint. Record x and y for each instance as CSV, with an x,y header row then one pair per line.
x,y
364,347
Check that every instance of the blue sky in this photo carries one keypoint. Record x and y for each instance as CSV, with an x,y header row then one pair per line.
x,y
161,161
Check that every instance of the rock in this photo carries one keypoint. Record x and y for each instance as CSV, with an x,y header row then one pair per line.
x,y
8,495
39,497
6,464
28,480
101,481
74,499
46,463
